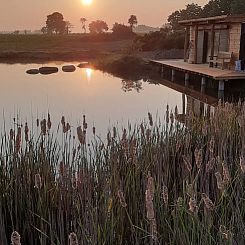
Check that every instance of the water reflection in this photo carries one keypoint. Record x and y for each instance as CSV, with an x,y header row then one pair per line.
x,y
89,73
129,85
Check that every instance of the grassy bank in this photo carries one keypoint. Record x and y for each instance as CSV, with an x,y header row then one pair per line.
x,y
154,183
77,47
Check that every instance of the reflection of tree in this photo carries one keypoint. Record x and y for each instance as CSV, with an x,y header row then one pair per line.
x,y
129,85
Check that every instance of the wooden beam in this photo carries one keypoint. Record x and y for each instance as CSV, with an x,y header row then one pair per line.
x,y
212,45
196,44
186,43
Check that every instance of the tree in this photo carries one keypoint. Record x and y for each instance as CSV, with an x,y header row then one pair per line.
x,y
44,30
68,27
55,23
132,21
83,20
192,11
121,30
98,26
217,7
238,7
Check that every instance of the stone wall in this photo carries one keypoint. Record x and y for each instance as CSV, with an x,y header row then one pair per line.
x,y
235,38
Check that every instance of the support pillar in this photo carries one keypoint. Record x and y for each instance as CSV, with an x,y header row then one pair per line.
x,y
203,84
221,90
183,104
173,75
211,64
187,79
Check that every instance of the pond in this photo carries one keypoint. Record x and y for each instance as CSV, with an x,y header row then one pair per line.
x,y
104,99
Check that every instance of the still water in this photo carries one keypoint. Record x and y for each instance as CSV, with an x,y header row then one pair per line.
x,y
105,100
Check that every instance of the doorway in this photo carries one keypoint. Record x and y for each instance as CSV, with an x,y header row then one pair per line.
x,y
205,47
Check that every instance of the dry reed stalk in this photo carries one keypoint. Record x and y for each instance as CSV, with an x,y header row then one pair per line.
x,y
148,134
121,198
242,164
150,119
38,181
208,202
220,183
15,238
73,239
193,205
198,158
187,163
226,173
165,194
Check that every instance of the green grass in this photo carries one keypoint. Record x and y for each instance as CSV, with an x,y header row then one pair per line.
x,y
145,184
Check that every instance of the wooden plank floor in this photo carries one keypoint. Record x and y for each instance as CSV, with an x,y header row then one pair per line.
x,y
202,69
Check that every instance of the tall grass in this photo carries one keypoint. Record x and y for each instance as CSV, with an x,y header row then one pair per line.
x,y
154,183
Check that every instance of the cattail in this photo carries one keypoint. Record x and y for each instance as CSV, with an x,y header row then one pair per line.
x,y
62,169
38,181
171,118
81,135
198,158
93,130
226,234
149,206
187,163
150,185
15,238
18,140
167,115
108,138
193,205
220,183
37,122
44,126
49,124
73,239
242,164
63,120
150,119
110,202
11,134
226,173
74,182
26,132
114,132
84,119
121,198
165,194
176,113
208,202
124,136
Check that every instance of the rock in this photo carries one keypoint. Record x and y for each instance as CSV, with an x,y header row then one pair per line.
x,y
46,70
68,68
83,64
32,71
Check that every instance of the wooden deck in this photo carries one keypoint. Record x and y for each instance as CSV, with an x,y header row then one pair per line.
x,y
202,69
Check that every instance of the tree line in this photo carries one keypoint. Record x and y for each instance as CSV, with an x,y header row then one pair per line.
x,y
55,24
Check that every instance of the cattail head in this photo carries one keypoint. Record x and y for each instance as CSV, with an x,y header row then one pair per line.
x,y
210,165
114,132
193,205
142,128
49,123
38,181
73,239
150,185
63,120
93,130
81,135
148,134
26,132
208,202
11,134
121,198
211,145
15,238
37,122
44,126
150,119
226,173
171,117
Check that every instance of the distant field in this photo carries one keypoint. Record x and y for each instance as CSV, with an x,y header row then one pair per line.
x,y
76,42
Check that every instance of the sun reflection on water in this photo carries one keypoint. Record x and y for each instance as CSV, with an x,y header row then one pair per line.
x,y
89,74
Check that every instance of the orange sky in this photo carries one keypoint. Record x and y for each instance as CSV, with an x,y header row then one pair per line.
x,y
31,14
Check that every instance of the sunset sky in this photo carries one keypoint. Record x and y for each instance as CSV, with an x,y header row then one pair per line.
x,y
31,14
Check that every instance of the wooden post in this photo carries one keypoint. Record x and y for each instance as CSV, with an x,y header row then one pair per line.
x,y
187,78
186,44
221,85
196,44
203,84
212,45
173,75
183,104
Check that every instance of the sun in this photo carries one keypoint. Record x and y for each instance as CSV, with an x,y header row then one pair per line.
x,y
87,2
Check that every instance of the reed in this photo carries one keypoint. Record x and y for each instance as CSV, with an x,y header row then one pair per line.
x,y
154,183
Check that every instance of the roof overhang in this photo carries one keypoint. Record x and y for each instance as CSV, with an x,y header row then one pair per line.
x,y
222,19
